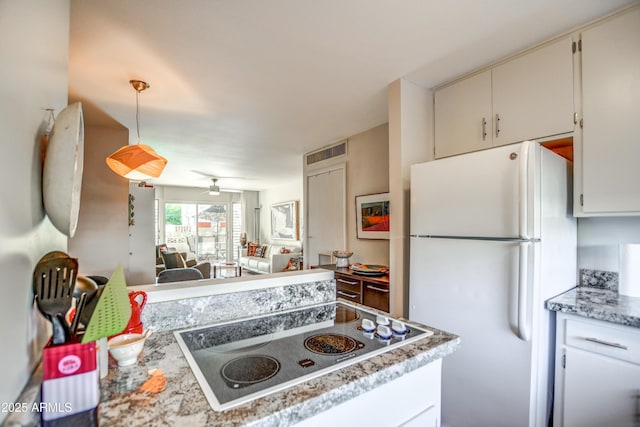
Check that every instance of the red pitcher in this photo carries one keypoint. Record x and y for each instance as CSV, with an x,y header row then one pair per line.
x,y
137,300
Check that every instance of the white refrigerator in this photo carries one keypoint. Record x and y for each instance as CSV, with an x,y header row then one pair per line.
x,y
492,238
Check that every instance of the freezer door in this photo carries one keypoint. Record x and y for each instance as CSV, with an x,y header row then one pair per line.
x,y
470,288
483,194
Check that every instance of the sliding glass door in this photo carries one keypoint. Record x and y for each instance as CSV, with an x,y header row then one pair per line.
x,y
200,229
212,232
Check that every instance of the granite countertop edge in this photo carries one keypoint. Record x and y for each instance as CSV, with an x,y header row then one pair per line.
x,y
599,304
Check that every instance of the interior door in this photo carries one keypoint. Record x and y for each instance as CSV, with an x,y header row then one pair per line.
x,y
326,213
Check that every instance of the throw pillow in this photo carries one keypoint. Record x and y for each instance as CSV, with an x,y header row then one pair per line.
x,y
251,248
261,251
172,260
285,250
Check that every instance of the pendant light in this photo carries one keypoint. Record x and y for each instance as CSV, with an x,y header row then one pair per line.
x,y
137,161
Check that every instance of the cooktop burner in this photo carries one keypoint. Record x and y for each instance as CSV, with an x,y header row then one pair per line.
x,y
247,370
236,362
346,315
331,344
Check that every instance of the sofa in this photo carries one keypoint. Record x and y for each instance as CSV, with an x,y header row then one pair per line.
x,y
270,260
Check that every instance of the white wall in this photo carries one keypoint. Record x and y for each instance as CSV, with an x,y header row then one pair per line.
x,y
367,173
283,193
598,240
34,39
101,241
410,142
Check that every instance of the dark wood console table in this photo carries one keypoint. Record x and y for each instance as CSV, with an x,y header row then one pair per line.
x,y
367,290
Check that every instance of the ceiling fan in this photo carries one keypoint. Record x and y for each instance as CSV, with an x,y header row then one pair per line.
x,y
214,189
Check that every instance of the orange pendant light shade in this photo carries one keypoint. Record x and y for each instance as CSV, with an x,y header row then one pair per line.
x,y
136,162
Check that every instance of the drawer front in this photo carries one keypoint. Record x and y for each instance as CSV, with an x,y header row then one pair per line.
x,y
619,341
349,288
376,296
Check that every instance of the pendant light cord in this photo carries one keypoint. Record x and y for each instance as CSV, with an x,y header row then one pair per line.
x,y
138,114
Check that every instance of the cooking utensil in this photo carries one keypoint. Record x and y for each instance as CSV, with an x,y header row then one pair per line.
x,y
84,284
79,309
54,280
112,311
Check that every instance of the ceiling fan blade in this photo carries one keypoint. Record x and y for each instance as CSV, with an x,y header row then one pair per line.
x,y
212,176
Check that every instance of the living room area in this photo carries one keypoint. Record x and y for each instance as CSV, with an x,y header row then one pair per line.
x,y
131,218
226,235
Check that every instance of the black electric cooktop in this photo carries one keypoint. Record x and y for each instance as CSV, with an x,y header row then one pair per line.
x,y
236,362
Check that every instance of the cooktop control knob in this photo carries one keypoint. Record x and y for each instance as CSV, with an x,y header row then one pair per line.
x,y
368,325
398,327
382,320
383,332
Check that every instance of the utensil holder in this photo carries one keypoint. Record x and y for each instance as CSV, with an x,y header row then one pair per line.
x,y
70,387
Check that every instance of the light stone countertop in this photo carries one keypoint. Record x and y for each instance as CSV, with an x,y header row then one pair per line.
x,y
182,402
601,304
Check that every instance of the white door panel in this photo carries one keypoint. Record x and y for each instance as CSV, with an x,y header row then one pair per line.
x,y
326,226
475,194
469,288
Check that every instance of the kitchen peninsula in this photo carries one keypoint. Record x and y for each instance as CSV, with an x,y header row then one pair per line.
x,y
163,390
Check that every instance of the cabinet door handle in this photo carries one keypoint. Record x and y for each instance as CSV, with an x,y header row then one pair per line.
x,y
607,343
484,128
347,294
375,288
348,282
497,125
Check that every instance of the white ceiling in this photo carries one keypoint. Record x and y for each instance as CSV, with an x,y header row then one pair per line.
x,y
240,89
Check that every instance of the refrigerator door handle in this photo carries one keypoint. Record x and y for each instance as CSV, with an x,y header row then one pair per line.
x,y
523,291
523,181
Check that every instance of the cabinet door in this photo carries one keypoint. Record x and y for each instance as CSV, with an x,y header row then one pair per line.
x,y
459,113
611,112
533,94
600,391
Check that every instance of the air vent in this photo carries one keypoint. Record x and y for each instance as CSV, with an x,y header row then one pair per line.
x,y
336,150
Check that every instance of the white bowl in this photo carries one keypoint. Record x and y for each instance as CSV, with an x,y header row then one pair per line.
x,y
126,348
62,170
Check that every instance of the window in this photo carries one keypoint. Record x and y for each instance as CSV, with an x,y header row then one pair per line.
x,y
199,229
237,227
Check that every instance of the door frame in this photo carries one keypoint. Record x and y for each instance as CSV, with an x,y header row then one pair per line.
x,y
309,173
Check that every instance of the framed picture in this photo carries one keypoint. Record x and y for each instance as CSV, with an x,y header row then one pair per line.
x,y
372,216
284,220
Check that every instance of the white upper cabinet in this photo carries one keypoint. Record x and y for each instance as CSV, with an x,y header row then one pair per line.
x,y
533,94
610,160
528,97
463,116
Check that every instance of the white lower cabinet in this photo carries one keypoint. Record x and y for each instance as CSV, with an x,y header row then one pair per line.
x,y
411,400
597,380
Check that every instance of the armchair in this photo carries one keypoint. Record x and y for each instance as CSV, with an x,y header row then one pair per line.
x,y
175,260
179,275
